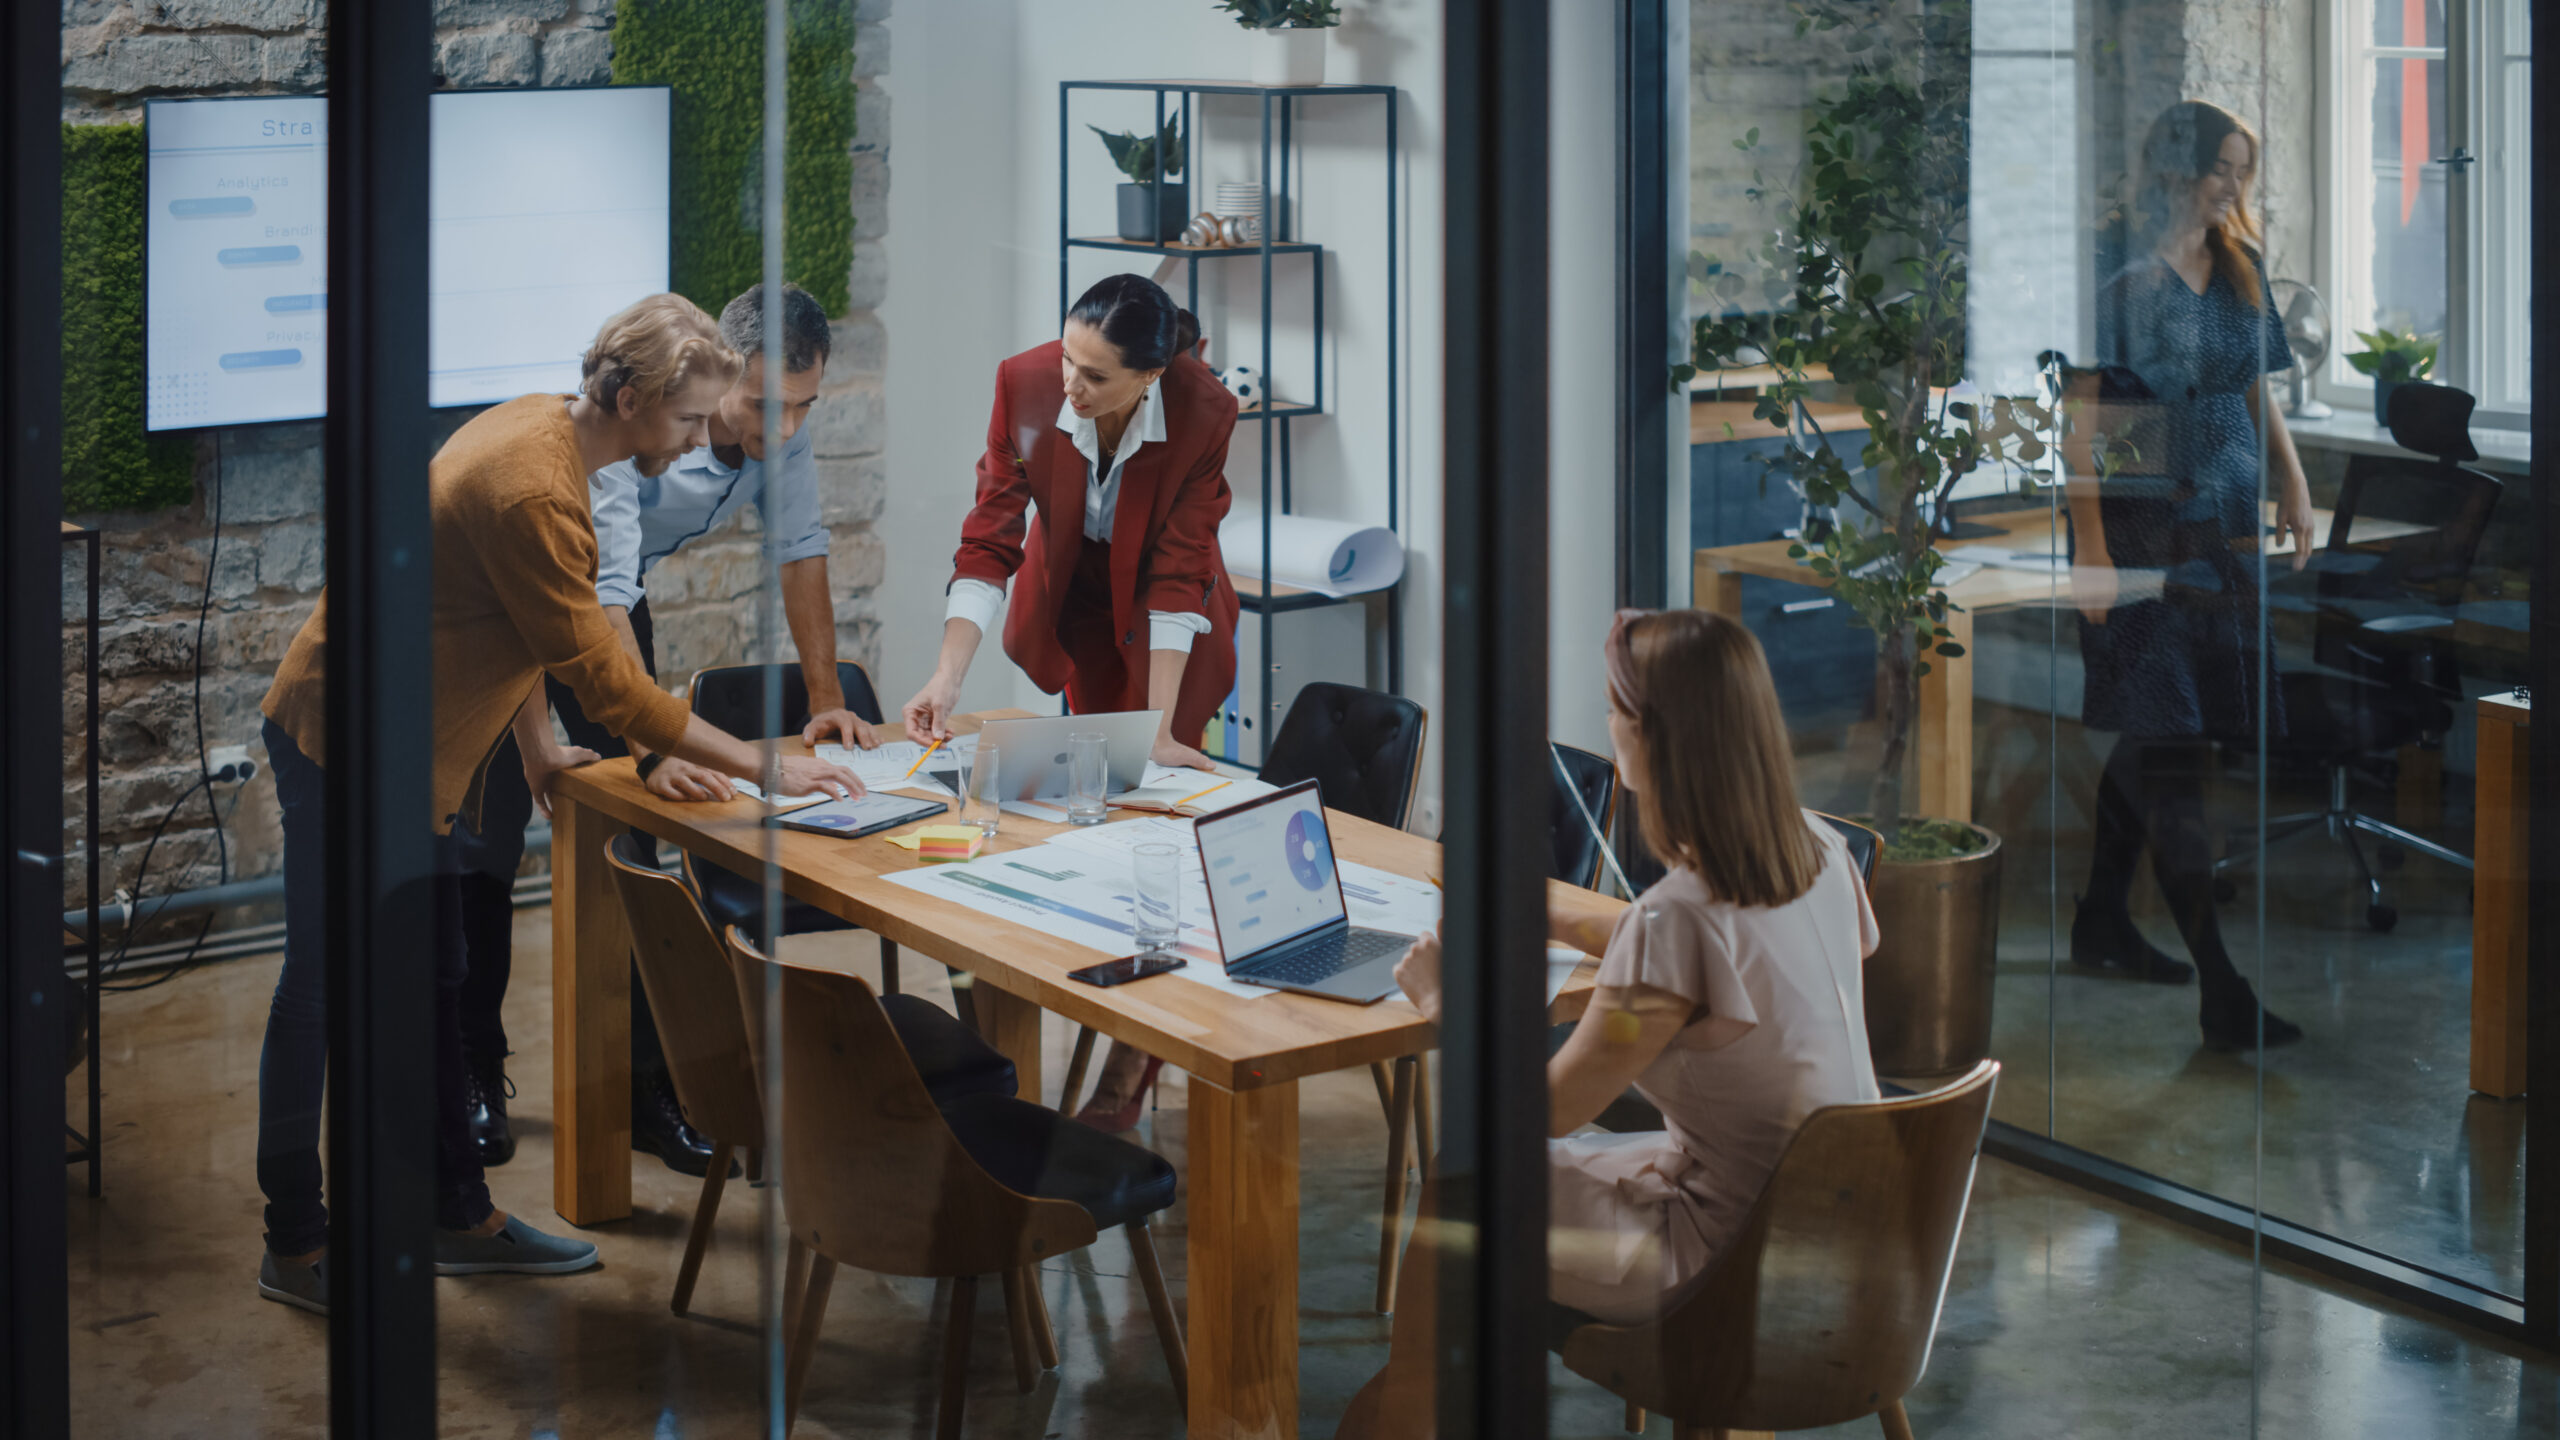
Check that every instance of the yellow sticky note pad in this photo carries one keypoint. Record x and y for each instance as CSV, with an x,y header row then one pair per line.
x,y
942,842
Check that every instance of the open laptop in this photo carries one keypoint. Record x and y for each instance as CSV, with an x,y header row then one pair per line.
x,y
1277,902
1035,750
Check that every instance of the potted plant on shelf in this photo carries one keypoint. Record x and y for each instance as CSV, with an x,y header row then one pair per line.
x,y
1290,50
1153,205
2393,359
1867,286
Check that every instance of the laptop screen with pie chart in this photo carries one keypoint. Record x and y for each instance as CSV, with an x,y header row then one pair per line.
x,y
1270,870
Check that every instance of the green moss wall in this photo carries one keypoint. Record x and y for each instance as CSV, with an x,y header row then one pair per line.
x,y
108,463
712,52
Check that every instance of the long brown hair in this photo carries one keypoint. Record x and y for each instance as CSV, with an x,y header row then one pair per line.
x,y
2184,146
1720,780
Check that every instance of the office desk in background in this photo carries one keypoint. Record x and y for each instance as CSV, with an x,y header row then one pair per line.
x,y
1245,1057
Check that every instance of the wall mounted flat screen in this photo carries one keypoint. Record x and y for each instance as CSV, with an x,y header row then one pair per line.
x,y
547,212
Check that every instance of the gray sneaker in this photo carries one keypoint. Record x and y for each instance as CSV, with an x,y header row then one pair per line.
x,y
517,1249
304,1287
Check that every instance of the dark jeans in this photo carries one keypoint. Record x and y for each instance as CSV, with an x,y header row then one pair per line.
x,y
293,1067
489,860
2152,797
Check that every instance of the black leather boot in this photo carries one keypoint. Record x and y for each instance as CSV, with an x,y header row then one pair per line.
x,y
486,1091
658,1128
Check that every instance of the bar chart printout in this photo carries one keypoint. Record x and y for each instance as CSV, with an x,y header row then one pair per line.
x,y
236,279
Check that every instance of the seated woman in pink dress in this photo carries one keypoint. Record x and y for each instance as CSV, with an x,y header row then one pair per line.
x,y
1729,996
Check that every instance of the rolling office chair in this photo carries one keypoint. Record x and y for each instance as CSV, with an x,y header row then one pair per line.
x,y
1577,856
2383,612
732,697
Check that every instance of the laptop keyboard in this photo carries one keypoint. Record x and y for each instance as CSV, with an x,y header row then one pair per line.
x,y
1329,956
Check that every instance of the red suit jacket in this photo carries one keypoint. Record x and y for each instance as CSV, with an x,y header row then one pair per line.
x,y
1164,537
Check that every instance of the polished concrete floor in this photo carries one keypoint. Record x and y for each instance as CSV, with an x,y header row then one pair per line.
x,y
2066,1317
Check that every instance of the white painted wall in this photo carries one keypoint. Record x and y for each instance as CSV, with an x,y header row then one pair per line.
x,y
973,278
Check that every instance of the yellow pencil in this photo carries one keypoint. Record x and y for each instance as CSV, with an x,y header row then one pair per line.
x,y
927,755
1435,881
1205,794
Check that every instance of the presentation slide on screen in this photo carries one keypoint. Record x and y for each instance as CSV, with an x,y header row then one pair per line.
x,y
236,277
547,212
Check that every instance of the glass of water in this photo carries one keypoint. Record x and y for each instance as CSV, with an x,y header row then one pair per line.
x,y
1088,777
982,790
1155,919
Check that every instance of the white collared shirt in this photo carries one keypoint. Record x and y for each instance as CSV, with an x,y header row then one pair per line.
x,y
978,602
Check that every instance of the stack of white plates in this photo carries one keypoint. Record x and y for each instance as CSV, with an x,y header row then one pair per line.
x,y
1242,200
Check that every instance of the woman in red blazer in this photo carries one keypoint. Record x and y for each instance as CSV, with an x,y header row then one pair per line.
x,y
1102,489
1116,436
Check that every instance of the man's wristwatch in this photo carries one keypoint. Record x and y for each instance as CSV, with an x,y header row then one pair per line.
x,y
648,763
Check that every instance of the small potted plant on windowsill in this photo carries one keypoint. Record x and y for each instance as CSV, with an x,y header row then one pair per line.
x,y
2393,359
1290,50
1148,188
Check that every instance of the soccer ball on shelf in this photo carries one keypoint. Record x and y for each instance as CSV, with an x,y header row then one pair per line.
x,y
1245,383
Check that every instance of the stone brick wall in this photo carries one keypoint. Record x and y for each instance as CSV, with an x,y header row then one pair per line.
x,y
267,479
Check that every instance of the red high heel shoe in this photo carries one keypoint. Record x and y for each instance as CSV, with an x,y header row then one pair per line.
x,y
1115,1122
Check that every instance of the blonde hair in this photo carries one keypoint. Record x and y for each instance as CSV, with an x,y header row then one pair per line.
x,y
2184,146
1720,792
654,347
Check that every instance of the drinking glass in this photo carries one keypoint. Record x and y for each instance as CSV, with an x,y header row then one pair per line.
x,y
1088,777
1156,903
982,791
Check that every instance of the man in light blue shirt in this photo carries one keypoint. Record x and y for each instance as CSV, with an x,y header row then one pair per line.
x,y
640,519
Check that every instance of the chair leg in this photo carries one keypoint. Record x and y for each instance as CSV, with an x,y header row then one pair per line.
x,y
1897,1426
1378,1077
1142,1245
1635,1418
955,1357
1017,1327
1043,1336
813,1313
964,1000
1424,1157
888,967
704,1210
795,1285
1391,1213
1076,1064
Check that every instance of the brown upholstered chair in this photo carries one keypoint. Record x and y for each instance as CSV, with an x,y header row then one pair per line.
x,y
876,1175
1823,1308
686,975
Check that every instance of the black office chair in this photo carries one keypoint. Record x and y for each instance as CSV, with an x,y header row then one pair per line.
x,y
732,697
2383,611
1363,748
1577,856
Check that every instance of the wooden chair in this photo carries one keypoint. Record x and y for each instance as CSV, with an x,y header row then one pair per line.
x,y
692,992
1822,1309
876,1175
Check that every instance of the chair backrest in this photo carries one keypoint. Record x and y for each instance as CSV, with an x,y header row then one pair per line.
x,y
2450,503
872,1176
1822,1309
686,976
732,697
1864,844
1576,854
1363,748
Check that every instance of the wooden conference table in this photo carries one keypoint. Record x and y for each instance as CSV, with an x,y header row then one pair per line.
x,y
1943,736
1245,1057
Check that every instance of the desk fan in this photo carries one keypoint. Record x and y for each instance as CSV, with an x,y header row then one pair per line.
x,y
2306,334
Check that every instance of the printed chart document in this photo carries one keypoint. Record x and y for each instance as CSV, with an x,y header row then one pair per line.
x,y
893,766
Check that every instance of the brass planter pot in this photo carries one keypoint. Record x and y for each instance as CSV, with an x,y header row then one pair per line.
x,y
1929,982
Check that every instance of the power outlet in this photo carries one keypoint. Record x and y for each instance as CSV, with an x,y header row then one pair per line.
x,y
231,765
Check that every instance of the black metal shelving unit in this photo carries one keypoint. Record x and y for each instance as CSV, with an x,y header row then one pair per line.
x,y
1279,111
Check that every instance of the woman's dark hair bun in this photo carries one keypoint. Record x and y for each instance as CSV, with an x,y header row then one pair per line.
x,y
1134,314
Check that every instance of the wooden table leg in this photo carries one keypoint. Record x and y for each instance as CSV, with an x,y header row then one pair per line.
x,y
590,1023
1012,1025
2498,903
1244,1262
1717,590
1945,731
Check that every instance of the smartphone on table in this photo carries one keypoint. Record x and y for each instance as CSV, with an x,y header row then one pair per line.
x,y
1128,968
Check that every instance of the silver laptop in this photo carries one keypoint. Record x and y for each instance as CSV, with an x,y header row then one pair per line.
x,y
1277,901
1035,750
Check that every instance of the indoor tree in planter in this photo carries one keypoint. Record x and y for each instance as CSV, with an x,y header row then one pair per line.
x,y
1154,206
1869,284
